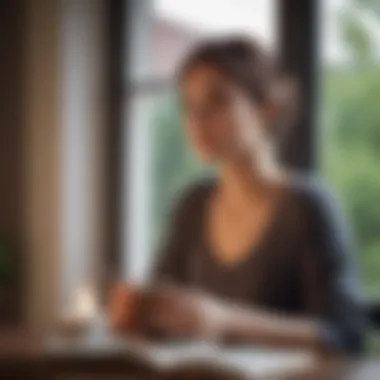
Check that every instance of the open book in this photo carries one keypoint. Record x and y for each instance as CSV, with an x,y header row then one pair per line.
x,y
163,358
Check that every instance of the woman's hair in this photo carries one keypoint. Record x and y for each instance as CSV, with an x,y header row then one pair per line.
x,y
254,70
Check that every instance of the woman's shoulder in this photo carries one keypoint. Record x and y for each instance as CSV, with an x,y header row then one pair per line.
x,y
313,194
321,209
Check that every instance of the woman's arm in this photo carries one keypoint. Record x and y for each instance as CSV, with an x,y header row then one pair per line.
x,y
335,319
332,289
268,329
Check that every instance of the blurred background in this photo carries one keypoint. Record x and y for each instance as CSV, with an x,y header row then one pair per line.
x,y
92,153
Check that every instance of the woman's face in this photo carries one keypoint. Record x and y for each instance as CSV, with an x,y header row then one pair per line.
x,y
221,121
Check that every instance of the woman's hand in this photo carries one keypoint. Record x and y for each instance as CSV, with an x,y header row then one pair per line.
x,y
123,305
166,312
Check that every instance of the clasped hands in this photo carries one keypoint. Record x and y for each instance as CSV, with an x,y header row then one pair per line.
x,y
166,312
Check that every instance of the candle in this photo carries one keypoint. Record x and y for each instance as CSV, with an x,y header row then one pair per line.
x,y
85,304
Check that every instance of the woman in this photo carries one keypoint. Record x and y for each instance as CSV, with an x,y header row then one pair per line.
x,y
257,255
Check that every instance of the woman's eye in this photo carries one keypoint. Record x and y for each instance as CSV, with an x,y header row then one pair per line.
x,y
220,98
218,104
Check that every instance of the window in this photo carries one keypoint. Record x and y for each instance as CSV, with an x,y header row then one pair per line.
x,y
351,121
158,161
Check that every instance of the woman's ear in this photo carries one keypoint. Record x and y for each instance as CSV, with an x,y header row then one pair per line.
x,y
283,106
284,97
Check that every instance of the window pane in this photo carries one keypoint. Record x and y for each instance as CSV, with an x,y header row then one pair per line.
x,y
137,185
351,120
163,30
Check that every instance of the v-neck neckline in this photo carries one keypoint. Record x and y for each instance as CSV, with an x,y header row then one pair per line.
x,y
255,248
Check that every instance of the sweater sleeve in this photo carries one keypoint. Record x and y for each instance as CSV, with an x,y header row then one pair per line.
x,y
331,283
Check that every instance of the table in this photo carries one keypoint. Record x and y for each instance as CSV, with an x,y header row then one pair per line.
x,y
25,356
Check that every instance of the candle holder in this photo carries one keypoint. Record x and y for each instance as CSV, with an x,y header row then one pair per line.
x,y
76,322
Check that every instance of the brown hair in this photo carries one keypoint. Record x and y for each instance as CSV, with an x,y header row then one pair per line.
x,y
254,70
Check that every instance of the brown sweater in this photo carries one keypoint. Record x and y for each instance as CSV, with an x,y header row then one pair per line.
x,y
303,265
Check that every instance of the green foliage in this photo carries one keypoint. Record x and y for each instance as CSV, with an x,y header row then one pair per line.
x,y
371,5
351,152
351,140
357,39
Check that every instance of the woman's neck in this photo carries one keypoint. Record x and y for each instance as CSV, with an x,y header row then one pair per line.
x,y
244,182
